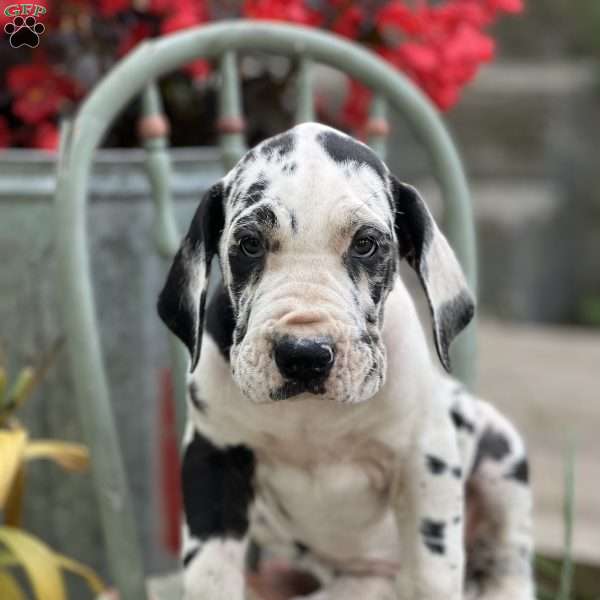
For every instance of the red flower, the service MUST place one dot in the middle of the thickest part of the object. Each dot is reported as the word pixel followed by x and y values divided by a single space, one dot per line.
pixel 418 57
pixel 349 22
pixel 110 8
pixel 184 14
pixel 46 137
pixel 294 11
pixel 5 135
pixel 508 6
pixel 356 104
pixel 397 15
pixel 39 91
pixel 198 70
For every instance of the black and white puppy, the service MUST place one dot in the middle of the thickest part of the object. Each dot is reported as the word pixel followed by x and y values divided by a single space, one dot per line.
pixel 319 425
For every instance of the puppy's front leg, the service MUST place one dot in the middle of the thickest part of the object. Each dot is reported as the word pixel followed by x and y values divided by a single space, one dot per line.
pixel 429 512
pixel 218 490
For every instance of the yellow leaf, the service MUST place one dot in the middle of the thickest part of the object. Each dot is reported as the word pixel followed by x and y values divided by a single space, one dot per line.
pixel 73 457
pixel 94 582
pixel 13 509
pixel 9 588
pixel 7 560
pixel 12 445
pixel 39 563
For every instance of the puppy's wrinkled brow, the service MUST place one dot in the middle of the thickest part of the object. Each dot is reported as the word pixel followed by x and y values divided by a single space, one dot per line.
pixel 261 217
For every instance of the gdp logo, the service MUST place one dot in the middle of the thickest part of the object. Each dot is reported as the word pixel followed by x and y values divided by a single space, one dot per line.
pixel 24 29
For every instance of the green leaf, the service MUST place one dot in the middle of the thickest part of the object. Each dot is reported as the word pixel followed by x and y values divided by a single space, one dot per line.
pixel 566 576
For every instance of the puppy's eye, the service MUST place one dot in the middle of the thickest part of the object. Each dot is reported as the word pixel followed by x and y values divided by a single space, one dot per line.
pixel 364 246
pixel 252 246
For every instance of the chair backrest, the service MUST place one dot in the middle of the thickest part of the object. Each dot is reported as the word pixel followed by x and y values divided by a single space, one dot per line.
pixel 134 75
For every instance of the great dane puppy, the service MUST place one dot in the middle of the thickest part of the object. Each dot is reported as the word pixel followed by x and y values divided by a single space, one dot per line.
pixel 319 425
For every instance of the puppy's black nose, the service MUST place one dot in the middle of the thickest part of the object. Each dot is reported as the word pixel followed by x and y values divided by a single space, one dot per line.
pixel 304 359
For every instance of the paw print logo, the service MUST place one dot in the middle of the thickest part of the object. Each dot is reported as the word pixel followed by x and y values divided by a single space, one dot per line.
pixel 24 32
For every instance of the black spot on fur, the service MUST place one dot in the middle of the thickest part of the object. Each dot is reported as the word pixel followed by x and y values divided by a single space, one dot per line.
pixel 198 403
pixel 279 146
pixel 289 168
pixel 492 445
pixel 457 472
pixel 433 533
pixel 248 158
pixel 460 422
pixel 265 216
pixel 218 488
pixel 189 556
pixel 239 333
pixel 378 268
pixel 220 320
pixel 293 222
pixel 352 267
pixel 431 528
pixel 519 471
pixel 371 317
pixel 244 269
pixel 457 519
pixel 301 548
pixel 344 149
pixel 380 280
pixel 436 465
pixel 256 192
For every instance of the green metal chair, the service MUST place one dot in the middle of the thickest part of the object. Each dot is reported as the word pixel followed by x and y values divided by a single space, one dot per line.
pixel 134 75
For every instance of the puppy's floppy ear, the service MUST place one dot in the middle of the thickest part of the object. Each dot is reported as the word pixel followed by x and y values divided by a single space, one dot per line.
pixel 429 254
pixel 183 297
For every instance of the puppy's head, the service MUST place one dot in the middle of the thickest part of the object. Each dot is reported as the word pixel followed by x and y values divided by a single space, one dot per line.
pixel 309 228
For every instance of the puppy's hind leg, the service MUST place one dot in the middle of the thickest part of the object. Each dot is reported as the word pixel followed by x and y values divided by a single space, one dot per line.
pixel 500 547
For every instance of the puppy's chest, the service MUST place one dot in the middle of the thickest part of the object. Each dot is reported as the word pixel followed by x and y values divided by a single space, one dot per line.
pixel 312 485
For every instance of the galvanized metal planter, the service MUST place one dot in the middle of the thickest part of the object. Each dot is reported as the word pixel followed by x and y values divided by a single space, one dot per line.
pixel 80 140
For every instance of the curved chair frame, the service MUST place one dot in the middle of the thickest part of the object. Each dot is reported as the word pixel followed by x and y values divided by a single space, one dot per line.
pixel 78 144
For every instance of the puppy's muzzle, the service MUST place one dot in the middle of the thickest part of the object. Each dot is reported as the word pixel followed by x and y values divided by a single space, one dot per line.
pixel 304 362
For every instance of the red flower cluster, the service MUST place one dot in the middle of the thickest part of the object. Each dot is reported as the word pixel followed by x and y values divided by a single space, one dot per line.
pixel 440 46
pixel 39 93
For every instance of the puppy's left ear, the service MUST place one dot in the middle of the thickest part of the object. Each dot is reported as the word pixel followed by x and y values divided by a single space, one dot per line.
pixel 182 300
pixel 429 254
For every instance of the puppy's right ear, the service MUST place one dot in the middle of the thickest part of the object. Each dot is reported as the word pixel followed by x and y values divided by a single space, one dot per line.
pixel 183 297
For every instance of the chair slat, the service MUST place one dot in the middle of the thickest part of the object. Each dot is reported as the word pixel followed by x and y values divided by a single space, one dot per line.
pixel 154 130
pixel 377 128
pixel 231 121
pixel 305 109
